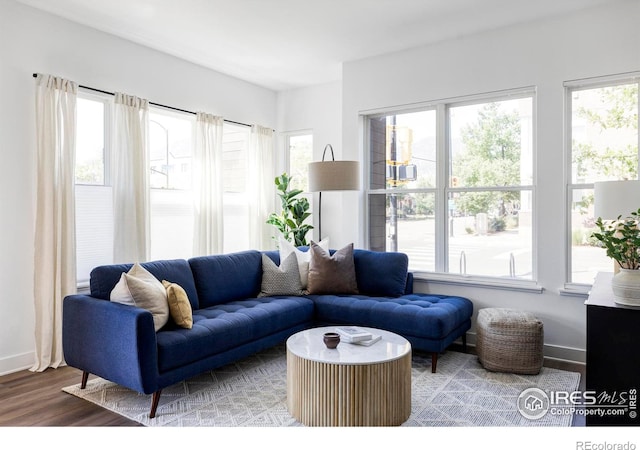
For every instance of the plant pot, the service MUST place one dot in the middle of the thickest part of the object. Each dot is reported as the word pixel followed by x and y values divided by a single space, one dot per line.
pixel 626 287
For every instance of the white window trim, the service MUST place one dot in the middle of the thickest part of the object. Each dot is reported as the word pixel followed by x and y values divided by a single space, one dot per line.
pixel 442 190
pixel 571 288
pixel 479 281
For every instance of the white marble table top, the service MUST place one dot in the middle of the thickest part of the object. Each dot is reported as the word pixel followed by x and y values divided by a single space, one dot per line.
pixel 308 344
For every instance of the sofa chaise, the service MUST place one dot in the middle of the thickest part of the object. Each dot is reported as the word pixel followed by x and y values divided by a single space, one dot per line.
pixel 230 320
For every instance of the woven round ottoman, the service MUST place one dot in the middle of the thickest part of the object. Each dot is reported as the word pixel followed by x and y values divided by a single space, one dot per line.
pixel 508 340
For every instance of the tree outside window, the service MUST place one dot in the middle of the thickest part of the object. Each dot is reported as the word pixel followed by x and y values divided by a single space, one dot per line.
pixel 604 147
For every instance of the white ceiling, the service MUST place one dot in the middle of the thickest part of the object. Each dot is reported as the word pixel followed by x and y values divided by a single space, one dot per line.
pixel 283 44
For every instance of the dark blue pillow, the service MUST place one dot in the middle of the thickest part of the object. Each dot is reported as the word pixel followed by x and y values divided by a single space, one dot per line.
pixel 381 274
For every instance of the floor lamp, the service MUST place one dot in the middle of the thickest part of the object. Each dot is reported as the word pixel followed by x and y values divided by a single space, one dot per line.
pixel 332 176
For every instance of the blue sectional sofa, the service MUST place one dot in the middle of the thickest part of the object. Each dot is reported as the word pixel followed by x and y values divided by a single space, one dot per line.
pixel 119 342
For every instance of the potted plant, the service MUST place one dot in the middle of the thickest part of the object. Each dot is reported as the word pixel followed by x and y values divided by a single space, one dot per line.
pixel 295 210
pixel 621 239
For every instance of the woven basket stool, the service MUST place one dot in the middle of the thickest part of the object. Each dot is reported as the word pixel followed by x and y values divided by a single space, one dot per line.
pixel 508 340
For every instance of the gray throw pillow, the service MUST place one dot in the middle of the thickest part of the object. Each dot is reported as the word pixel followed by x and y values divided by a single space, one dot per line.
pixel 332 274
pixel 283 280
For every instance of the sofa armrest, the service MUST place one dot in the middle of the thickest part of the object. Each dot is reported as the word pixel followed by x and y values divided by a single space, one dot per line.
pixel 409 286
pixel 111 340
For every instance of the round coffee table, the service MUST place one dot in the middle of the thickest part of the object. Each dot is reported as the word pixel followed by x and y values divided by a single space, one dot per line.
pixel 352 385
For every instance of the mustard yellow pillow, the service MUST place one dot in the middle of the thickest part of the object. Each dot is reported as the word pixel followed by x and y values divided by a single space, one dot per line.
pixel 179 306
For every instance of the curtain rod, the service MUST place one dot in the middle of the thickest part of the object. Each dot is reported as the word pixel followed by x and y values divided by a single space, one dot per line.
pixel 35 75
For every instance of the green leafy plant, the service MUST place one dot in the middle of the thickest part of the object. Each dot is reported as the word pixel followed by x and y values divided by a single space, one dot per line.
pixel 621 238
pixel 295 210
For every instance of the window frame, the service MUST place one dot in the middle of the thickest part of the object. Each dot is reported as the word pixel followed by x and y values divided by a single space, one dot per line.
pixel 571 287
pixel 443 188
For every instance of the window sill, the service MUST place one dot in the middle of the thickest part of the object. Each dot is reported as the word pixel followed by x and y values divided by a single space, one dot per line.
pixel 488 283
pixel 576 290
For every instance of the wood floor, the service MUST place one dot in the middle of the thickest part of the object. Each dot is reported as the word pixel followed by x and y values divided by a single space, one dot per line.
pixel 36 399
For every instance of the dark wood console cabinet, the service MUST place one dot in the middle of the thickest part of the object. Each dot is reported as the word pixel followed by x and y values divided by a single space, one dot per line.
pixel 613 352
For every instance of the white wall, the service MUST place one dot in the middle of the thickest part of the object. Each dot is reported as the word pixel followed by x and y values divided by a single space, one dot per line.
pixel 319 109
pixel 543 54
pixel 32 41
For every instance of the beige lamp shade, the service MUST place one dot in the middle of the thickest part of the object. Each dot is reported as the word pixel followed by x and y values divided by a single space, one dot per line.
pixel 333 176
pixel 616 198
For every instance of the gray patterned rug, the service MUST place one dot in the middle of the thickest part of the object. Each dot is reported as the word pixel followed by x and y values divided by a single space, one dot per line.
pixel 252 393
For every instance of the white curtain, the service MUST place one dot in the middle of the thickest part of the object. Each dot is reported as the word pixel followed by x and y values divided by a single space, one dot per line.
pixel 130 179
pixel 260 187
pixel 208 236
pixel 55 251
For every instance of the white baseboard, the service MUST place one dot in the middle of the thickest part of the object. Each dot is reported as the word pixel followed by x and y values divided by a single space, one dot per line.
pixel 16 363
pixel 574 355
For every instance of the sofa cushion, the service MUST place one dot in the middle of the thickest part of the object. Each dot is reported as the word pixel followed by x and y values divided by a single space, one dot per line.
pixel 104 278
pixel 421 315
pixel 332 274
pixel 223 327
pixel 280 280
pixel 302 255
pixel 179 306
pixel 138 287
pixel 381 273
pixel 228 277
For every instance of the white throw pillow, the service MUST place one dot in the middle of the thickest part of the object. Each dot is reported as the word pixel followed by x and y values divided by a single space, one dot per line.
pixel 286 248
pixel 140 288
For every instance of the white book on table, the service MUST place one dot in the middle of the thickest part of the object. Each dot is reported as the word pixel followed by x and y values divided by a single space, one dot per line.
pixel 352 334
pixel 374 338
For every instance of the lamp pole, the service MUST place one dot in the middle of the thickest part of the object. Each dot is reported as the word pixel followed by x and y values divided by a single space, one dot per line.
pixel 393 200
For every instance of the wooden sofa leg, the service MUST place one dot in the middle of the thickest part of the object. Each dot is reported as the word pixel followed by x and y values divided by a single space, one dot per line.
pixel 464 343
pixel 434 361
pixel 85 377
pixel 154 403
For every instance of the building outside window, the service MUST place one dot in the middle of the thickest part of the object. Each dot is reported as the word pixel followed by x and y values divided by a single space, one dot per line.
pixel 602 144
pixel 452 186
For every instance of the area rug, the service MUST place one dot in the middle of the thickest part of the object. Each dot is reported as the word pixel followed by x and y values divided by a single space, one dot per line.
pixel 252 393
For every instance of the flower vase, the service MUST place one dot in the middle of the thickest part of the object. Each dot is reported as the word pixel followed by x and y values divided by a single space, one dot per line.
pixel 626 287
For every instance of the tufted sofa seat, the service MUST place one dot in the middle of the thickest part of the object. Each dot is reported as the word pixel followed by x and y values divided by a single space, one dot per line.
pixel 220 328
pixel 430 322
pixel 119 342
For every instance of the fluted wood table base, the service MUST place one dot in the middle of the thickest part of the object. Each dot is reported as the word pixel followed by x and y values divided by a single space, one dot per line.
pixel 330 394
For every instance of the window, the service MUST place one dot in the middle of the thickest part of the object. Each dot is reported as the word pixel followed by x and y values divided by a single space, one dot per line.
pixel 171 141
pixel 451 185
pixel 171 198
pixel 602 146
pixel 300 155
pixel 94 207
pixel 234 177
